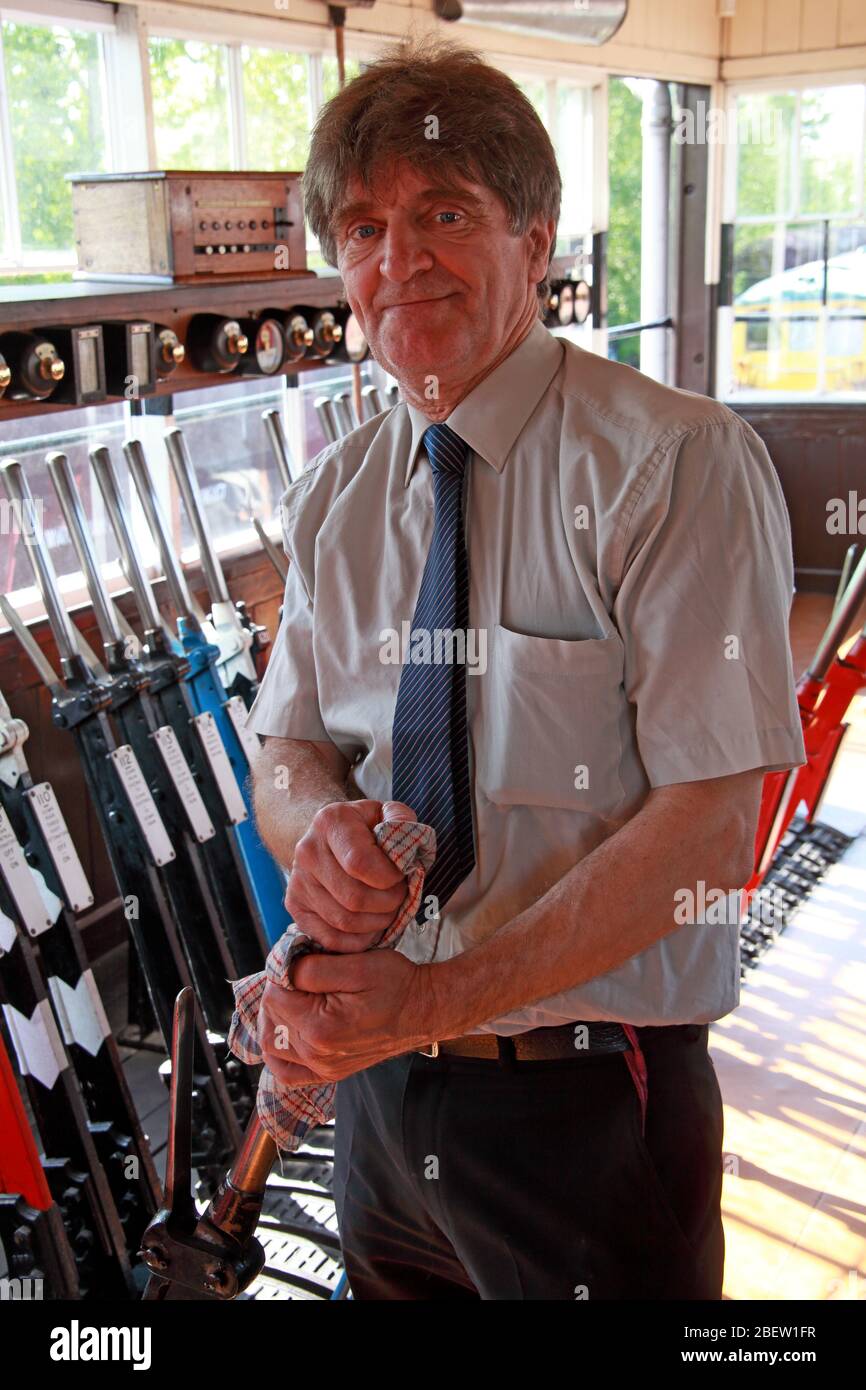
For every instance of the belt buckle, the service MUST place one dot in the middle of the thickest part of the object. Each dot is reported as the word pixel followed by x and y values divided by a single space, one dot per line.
pixel 434 1050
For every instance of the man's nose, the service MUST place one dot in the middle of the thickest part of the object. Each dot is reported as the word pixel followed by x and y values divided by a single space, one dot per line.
pixel 404 254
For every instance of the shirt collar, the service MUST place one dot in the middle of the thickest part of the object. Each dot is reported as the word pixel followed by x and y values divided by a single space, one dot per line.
pixel 491 417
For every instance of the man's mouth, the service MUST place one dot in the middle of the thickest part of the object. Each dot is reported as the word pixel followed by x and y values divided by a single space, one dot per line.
pixel 411 303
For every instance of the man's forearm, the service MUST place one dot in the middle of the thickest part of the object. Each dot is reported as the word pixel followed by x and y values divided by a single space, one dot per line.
pixel 608 908
pixel 291 782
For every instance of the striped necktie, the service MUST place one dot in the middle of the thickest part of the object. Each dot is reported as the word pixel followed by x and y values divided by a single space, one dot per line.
pixel 430 763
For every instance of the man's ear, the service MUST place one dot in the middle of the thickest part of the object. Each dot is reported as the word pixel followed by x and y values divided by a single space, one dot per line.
pixel 541 234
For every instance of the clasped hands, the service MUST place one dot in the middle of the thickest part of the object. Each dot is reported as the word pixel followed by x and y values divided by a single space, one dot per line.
pixel 350 1007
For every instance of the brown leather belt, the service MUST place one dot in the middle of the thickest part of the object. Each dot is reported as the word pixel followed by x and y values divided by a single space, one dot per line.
pixel 569 1040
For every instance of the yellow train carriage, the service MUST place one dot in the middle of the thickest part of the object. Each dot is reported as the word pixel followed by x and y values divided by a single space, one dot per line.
pixel 782 332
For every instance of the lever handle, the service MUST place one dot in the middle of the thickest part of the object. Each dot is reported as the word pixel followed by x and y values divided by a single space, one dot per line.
pixel 175 578
pixel 279 445
pixel 73 514
pixel 43 570
pixel 100 459
pixel 188 484
pixel 178 1172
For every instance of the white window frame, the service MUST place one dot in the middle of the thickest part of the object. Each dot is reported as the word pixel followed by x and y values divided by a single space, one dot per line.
pixel 595 80
pixel 233 32
pixel 797 83
pixel 76 14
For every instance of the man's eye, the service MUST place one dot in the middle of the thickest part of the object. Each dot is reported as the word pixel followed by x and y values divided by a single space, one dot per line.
pixel 448 213
pixel 366 227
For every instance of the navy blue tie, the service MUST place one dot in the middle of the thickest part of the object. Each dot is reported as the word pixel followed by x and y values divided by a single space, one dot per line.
pixel 430 741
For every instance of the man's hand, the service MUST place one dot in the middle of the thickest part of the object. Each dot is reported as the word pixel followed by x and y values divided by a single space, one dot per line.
pixel 344 891
pixel 355 1010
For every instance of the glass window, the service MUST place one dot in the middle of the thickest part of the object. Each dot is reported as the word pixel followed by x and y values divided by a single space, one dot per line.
pixel 573 142
pixel 757 334
pixel 803 335
pixel 831 128
pixel 277 108
pixel 565 110
pixel 73 433
pixel 56 95
pixel 229 447
pixel 625 142
pixel 799 244
pixel 778 266
pixel 330 79
pixel 847 338
pixel 535 88
pixel 765 124
pixel 190 93
pixel 242 481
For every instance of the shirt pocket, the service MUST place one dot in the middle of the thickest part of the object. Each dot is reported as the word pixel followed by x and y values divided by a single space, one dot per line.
pixel 548 731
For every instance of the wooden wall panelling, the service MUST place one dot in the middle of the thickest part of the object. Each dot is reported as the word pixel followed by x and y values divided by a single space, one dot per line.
pixel 819 453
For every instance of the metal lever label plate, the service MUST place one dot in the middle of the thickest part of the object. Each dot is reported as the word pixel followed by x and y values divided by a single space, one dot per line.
pixel 222 769
pixel 181 775
pixel 142 804
pixel 20 881
pixel 248 738
pixel 64 855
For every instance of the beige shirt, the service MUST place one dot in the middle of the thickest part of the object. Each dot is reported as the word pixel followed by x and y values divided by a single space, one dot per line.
pixel 631 576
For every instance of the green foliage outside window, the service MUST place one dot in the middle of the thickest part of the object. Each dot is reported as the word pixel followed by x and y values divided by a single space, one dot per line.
pixel 625 160
pixel 57 112
pixel 190 92
pixel 277 108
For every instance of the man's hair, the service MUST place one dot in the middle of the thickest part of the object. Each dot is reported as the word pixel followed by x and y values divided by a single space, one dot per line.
pixel 488 133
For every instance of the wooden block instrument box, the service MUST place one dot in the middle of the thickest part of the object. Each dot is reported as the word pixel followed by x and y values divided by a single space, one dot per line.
pixel 183 226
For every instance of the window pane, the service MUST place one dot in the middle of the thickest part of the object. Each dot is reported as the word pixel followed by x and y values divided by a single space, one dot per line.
pixel 803 335
pixel 778 265
pixel 778 294
pixel 29 440
pixel 536 89
pixel 239 482
pixel 276 100
pixel 831 127
pixel 243 481
pixel 330 85
pixel 765 123
pixel 57 112
pixel 846 297
pixel 574 156
pixel 625 111
pixel 189 83
pixel 325 382
pixel 846 269
pixel 845 338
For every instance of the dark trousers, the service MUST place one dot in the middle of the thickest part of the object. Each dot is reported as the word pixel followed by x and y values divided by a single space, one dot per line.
pixel 456 1177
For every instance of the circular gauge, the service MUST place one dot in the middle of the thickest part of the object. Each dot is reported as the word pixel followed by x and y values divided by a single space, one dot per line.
pixel 229 342
pixel 300 336
pixel 565 307
pixel 270 346
pixel 354 342
pixel 327 333
pixel 582 301
pixel 170 351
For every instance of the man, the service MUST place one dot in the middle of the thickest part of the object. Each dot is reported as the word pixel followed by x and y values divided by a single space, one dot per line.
pixel 611 562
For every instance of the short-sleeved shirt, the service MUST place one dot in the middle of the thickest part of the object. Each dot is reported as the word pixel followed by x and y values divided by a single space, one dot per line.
pixel 631 579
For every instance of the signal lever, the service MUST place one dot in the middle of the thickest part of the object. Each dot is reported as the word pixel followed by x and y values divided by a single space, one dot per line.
pixel 215 1255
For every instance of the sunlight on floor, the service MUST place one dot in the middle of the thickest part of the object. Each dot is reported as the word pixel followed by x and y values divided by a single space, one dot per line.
pixel 791 1062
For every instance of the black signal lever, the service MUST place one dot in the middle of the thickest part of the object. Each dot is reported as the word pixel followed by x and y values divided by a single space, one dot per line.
pixel 214 1255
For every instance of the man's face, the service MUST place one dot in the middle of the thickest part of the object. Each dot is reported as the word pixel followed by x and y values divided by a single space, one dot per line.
pixel 435 278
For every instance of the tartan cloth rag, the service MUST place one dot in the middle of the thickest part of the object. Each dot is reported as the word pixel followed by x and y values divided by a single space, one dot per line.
pixel 288 1112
